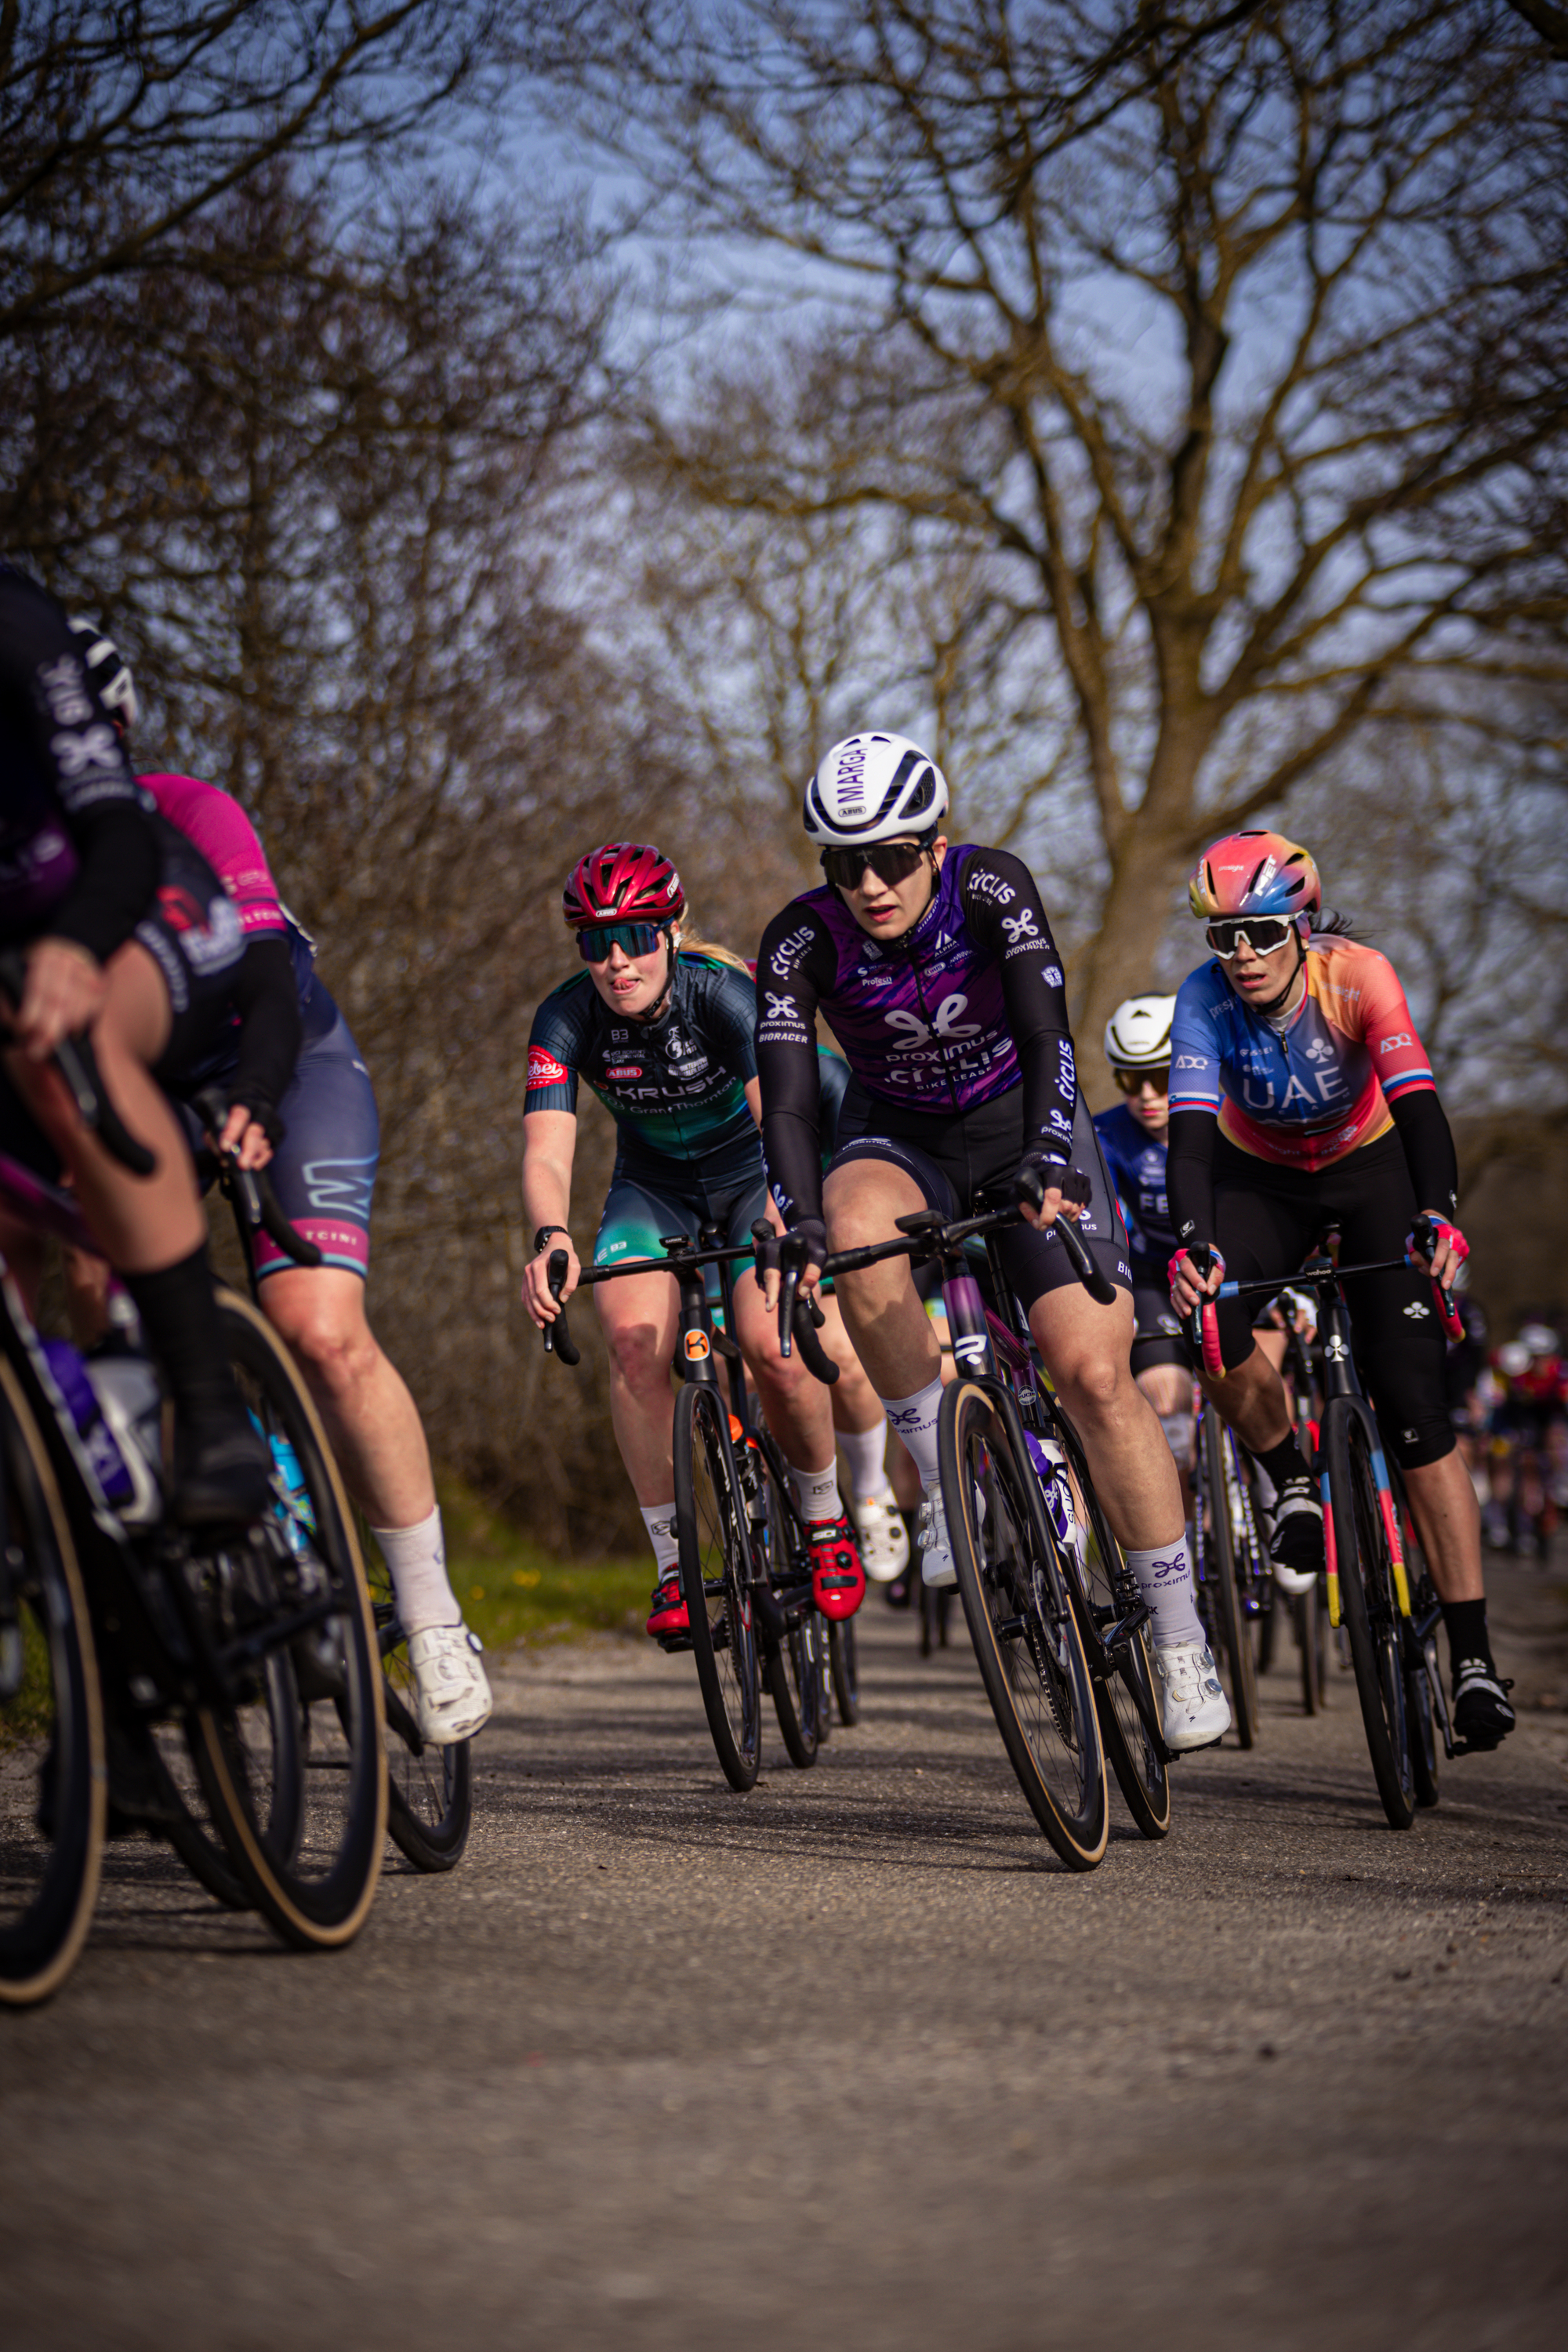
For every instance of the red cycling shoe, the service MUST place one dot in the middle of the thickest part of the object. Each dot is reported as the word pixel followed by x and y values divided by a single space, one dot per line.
pixel 668 1614
pixel 838 1579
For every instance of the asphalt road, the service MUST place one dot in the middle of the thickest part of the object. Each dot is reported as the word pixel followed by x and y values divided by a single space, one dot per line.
pixel 847 2061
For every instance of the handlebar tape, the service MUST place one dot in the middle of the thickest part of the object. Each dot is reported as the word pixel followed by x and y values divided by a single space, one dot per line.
pixel 1099 1285
pixel 558 1340
pixel 812 1355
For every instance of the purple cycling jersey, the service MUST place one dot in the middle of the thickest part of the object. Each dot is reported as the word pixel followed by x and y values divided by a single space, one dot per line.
pixel 960 1009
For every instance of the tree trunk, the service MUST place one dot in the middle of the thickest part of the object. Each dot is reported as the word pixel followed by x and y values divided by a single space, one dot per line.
pixel 1118 961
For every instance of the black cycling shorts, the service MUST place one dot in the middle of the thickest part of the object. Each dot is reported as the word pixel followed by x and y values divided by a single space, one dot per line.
pixel 1267 1218
pixel 951 1155
pixel 1157 1335
pixel 647 1199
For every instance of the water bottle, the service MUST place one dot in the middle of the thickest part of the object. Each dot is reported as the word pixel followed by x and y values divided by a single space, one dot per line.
pixel 70 1377
pixel 132 1402
pixel 1051 1462
pixel 294 1507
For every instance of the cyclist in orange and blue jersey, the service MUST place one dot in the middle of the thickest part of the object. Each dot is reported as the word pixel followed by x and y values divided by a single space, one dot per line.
pixel 1301 1096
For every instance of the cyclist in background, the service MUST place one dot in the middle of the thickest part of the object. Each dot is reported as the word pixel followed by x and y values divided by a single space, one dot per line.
pixel 133 939
pixel 1301 1094
pixel 320 1148
pixel 663 1034
pixel 936 970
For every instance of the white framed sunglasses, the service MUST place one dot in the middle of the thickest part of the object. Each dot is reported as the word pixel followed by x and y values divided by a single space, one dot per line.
pixel 1264 934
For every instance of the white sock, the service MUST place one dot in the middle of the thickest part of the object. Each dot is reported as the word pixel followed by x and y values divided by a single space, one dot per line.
pixel 417 1559
pixel 658 1518
pixel 865 1453
pixel 817 1493
pixel 913 1418
pixel 1165 1582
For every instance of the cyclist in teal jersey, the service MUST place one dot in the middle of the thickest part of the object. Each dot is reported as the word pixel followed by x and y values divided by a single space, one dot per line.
pixel 664 1037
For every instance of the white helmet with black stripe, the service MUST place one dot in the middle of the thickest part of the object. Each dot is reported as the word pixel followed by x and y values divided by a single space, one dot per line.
pixel 873 788
pixel 1138 1033
pixel 109 671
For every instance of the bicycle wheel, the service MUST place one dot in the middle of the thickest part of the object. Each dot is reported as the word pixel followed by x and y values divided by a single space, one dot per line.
pixel 844 1665
pixel 788 1662
pixel 1425 1701
pixel 1107 1592
pixel 53 1785
pixel 1223 1563
pixel 715 1576
pixel 1310 1621
pixel 429 1790
pixel 1022 1623
pixel 1370 1606
pixel 294 1592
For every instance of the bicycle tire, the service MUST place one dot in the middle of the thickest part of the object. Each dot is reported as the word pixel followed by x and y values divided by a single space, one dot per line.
pixel 315 1889
pixel 1107 1591
pixel 821 1649
pixel 1369 1609
pixel 1024 1626
pixel 53 1780
pixel 789 1669
pixel 1426 1705
pixel 714 1538
pixel 429 1790
pixel 1232 1623
pixel 1310 1618
pixel 844 1665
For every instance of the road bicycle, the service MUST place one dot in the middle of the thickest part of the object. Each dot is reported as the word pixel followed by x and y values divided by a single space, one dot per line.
pixel 1233 1576
pixel 745 1564
pixel 1379 1587
pixel 219 1689
pixel 1059 1628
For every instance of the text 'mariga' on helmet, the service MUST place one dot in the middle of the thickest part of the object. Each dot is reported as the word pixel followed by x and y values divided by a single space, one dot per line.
pixel 1138 1033
pixel 623 882
pixel 871 788
pixel 1254 872
pixel 109 671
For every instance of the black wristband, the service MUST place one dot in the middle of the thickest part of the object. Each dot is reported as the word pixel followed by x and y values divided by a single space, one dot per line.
pixel 542 1236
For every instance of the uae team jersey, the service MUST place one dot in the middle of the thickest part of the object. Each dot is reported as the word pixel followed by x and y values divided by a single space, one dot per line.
pixel 1305 1097
pixel 675 1088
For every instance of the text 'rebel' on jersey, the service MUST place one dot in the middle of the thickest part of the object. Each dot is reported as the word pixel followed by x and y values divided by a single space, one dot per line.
pixel 965 1006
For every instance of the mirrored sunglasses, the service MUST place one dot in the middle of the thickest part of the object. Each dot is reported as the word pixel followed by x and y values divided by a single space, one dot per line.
pixel 594 942
pixel 889 861
pixel 1133 1082
pixel 1264 934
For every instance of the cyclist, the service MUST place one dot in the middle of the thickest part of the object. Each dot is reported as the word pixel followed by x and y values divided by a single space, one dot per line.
pixel 663 1034
pixel 321 1150
pixel 128 935
pixel 936 968
pixel 1302 1097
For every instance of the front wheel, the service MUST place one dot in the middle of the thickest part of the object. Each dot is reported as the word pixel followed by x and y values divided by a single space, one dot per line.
pixel 1125 1697
pixel 1370 1605
pixel 1022 1623
pixel 844 1664
pixel 713 1533
pixel 1224 1567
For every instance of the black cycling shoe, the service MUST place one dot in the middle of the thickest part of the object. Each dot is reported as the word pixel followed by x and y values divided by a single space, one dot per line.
pixel 1482 1715
pixel 1296 1543
pixel 223 1472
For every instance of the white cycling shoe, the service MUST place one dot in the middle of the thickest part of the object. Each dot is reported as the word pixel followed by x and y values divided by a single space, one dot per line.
pixel 1193 1709
pixel 452 1691
pixel 933 1542
pixel 884 1539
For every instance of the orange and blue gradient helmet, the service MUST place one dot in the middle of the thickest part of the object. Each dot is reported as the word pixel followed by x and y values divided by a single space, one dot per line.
pixel 1255 874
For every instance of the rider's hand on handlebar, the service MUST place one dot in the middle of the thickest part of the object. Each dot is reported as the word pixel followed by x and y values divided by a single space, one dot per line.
pixel 536 1295
pixel 245 1140
pixel 1047 1189
pixel 1450 1252
pixel 66 993
pixel 813 1232
pixel 1189 1280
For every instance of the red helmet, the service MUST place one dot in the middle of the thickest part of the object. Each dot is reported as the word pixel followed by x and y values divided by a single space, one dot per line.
pixel 1255 874
pixel 623 882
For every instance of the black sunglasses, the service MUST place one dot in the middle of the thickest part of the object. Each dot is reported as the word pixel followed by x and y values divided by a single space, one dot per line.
pixel 889 861
pixel 1264 934
pixel 1133 1082
pixel 596 940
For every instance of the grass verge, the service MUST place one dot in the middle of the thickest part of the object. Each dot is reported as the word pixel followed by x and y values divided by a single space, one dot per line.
pixel 513 1591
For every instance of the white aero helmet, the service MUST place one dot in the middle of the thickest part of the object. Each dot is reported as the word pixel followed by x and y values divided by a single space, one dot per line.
pixel 1138 1033
pixel 872 788
pixel 107 668
pixel 1540 1338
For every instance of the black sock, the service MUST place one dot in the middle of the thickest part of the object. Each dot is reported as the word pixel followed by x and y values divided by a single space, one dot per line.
pixel 1466 1625
pixel 180 1323
pixel 1283 1461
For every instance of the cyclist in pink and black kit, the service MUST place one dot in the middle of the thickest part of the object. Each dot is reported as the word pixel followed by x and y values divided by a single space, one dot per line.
pixel 320 1144
pixel 1301 1097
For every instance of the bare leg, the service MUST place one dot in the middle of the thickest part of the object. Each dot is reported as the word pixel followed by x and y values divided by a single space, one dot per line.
pixel 370 1417
pixel 640 1317
pixel 1449 1521
pixel 1087 1348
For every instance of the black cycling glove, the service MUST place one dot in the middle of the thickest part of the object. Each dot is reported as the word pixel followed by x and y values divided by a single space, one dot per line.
pixel 1038 1171
pixel 811 1231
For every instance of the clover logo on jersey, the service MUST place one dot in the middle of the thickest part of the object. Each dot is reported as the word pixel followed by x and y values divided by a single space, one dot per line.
pixel 1019 927
pixel 781 1008
pixel 944 1025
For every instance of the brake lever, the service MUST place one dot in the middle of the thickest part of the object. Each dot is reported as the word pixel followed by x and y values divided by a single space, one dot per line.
pixel 1099 1285
pixel 558 1340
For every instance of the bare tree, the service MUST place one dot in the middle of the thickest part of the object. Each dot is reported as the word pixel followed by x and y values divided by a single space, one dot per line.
pixel 1226 357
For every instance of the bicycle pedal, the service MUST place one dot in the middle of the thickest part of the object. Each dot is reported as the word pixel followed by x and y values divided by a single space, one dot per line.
pixel 672 1643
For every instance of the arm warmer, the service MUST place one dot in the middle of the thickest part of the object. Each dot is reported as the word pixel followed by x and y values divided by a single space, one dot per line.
pixel 1189 1176
pixel 1429 1154
pixel 115 883
pixel 786 1062
pixel 1003 913
pixel 267 1002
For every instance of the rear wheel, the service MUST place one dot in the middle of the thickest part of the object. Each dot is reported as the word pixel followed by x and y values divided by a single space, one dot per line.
pixel 1022 1623
pixel 1369 1605
pixel 429 1790
pixel 52 1779
pixel 1224 1565
pixel 287 1611
pixel 844 1662
pixel 715 1577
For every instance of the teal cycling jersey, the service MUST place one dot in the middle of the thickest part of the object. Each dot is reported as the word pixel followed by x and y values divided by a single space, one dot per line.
pixel 675 1088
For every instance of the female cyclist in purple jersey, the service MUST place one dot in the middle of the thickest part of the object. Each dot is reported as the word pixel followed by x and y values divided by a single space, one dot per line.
pixel 936 968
